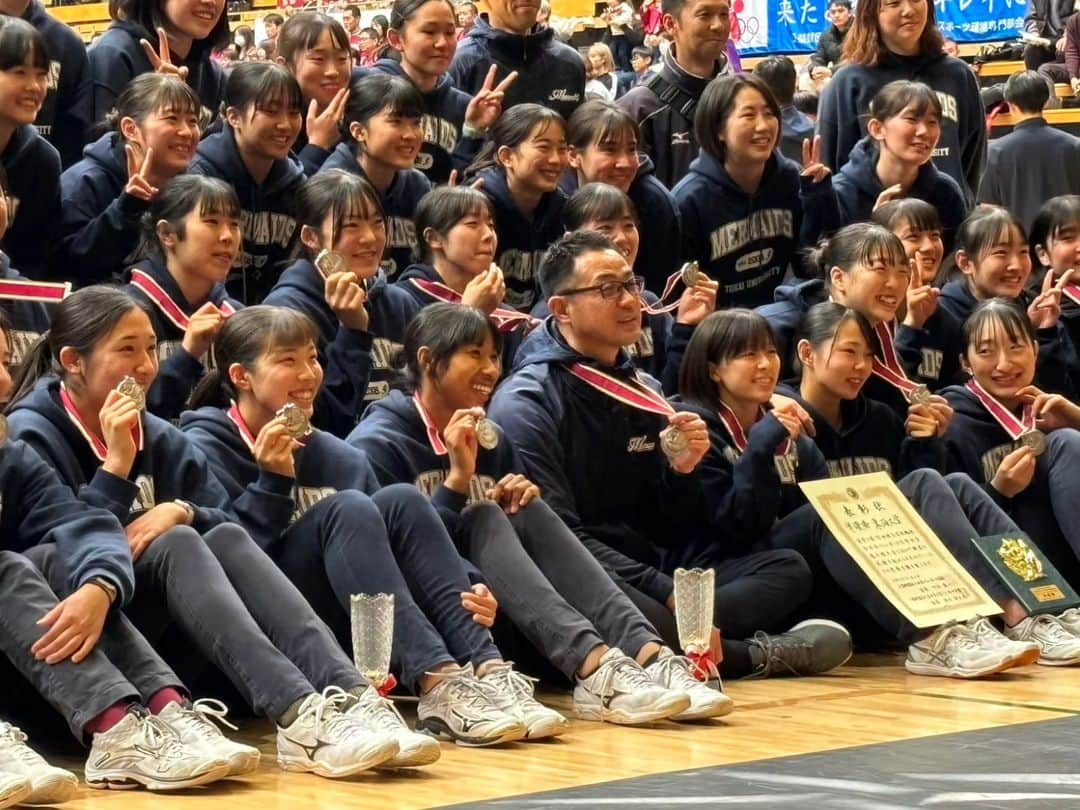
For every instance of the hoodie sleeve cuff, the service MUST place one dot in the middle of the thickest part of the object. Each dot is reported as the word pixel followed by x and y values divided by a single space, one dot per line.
pixel 448 499
pixel 116 490
pixel 132 208
pixel 275 484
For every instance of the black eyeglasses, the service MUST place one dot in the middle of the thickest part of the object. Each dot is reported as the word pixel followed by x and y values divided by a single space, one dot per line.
pixel 611 290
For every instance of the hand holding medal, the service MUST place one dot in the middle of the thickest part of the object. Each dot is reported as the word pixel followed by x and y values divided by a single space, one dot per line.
pixel 792 416
pixel 275 445
pixel 485 291
pixel 463 444
pixel 202 329
pixel 1050 411
pixel 698 299
pixel 344 294
pixel 687 441
pixel 119 418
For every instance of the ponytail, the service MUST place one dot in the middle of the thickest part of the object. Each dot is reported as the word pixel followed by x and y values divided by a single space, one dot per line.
pixel 215 390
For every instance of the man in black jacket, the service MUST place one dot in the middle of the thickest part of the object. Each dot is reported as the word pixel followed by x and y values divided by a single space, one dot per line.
pixel 1046 19
pixel 830 47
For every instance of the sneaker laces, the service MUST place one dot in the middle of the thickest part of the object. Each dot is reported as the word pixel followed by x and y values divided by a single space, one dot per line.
pixel 160 737
pixel 517 684
pixel 465 687
pixel 953 636
pixel 677 670
pixel 982 628
pixel 782 651
pixel 631 672
pixel 16 739
pixel 378 712
pixel 328 713
pixel 205 713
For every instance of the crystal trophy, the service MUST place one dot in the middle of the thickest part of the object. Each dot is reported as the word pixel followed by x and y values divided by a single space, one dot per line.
pixel 694 597
pixel 373 635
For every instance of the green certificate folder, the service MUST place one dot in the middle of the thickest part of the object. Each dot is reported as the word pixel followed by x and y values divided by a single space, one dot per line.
pixel 1031 577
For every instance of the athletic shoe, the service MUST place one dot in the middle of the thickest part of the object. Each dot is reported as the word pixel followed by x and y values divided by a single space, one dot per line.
pixel 1057 646
pixel 621 691
pixel 812 647
pixel 1070 620
pixel 955 651
pixel 48 784
pixel 462 708
pixel 194 727
pixel 142 750
pixel 325 741
pixel 1026 652
pixel 14 787
pixel 675 673
pixel 380 716
pixel 539 720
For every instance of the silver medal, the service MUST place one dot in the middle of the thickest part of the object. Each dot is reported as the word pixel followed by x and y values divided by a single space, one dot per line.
pixel 487 435
pixel 329 262
pixel 296 421
pixel 690 274
pixel 673 442
pixel 1036 440
pixel 133 391
pixel 919 395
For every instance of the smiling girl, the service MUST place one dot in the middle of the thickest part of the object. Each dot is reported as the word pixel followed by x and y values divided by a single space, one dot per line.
pixel 252 154
pixel 1055 249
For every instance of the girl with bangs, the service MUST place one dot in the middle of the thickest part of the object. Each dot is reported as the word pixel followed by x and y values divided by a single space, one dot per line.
pixel 191 236
pixel 894 40
pixel 314 504
pixel 1021 445
pixel 252 154
pixel 356 312
pixel 78 404
pixel 31 163
pixel 315 49
pixel 893 160
pixel 520 167
pixel 151 137
pixel 1055 249
pixel 603 143
pixel 423 36
pixel 746 209
pixel 605 209
pixel 994 260
pixel 162 36
pixel 382 137
pixel 857 435
pixel 928 337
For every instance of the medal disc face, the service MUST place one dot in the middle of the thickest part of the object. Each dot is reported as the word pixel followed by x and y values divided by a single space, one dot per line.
pixel 487 435
pixel 329 262
pixel 1036 440
pixel 691 272
pixel 673 442
pixel 297 424
pixel 133 391
pixel 919 395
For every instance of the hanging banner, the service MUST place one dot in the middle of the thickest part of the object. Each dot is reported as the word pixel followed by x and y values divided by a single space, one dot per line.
pixel 793 26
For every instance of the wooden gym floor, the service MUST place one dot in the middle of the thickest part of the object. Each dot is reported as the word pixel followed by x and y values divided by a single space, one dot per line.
pixel 872 701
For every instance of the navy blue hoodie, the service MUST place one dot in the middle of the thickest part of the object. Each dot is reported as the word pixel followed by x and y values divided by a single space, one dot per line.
pixel 747 242
pixel 784 314
pixel 169 467
pixel 100 221
pixel 659 222
pixel 857 189
pixel 747 492
pixel 1058 368
pixel 116 57
pixel 445 148
pixel 33 176
pixel 268 503
pixel 598 463
pixel 523 240
pixel 36 507
pixel 178 371
pixel 65 116
pixel 961 149
pixel 871 439
pixel 349 358
pixel 550 72
pixel 29 320
pixel 399 204
pixel 267 213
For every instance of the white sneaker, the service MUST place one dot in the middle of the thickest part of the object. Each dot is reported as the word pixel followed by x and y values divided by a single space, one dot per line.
pixel 195 728
pixel 954 651
pixel 1070 620
pixel 675 672
pixel 462 708
pixel 1026 652
pixel 620 691
pixel 48 784
pixel 379 715
pixel 1057 646
pixel 142 750
pixel 325 741
pixel 519 691
pixel 14 787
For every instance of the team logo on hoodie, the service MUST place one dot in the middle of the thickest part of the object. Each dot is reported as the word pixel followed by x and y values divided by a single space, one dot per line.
pixel 768 223
pixel 562 94
pixel 144 496
pixel 930 366
pixel 858 465
pixel 304 498
pixel 429 482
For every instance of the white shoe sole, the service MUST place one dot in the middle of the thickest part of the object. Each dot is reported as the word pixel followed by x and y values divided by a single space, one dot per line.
pixel 126 780
pixel 677 703
pixel 438 729
pixel 552 727
pixel 375 756
pixel 242 763
pixel 934 670
pixel 53 789
pixel 416 757
pixel 15 794
pixel 718 708
pixel 1058 662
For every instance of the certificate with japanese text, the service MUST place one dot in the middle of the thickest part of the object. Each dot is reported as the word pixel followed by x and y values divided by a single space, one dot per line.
pixel 897 551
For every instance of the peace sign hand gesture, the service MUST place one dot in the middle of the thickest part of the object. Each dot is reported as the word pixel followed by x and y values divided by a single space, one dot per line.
pixel 811 160
pixel 487 105
pixel 1045 310
pixel 161 60
pixel 137 185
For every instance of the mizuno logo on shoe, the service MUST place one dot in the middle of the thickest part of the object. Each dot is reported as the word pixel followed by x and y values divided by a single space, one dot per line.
pixel 310 750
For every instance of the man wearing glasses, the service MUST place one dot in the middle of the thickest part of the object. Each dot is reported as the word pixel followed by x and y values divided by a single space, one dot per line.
pixel 616 462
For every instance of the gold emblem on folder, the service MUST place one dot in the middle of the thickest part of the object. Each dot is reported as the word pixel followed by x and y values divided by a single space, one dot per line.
pixel 1020 559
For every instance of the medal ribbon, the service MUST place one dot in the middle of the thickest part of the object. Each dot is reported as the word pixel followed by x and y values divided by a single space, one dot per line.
pixel 17 289
pixel 660 308
pixel 437 443
pixel 101 450
pixel 1072 292
pixel 888 366
pixel 245 432
pixel 169 308
pixel 738 435
pixel 1015 427
pixel 506 320
pixel 636 394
